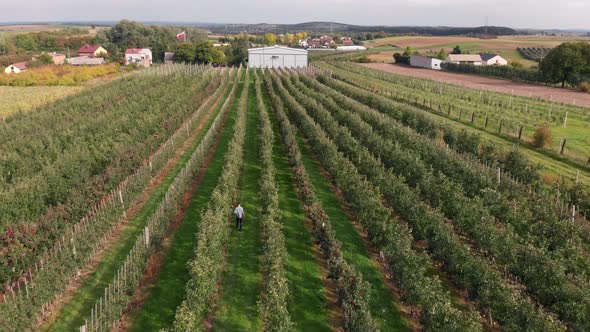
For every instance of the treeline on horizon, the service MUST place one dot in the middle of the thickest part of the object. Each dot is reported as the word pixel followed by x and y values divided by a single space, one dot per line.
pixel 327 27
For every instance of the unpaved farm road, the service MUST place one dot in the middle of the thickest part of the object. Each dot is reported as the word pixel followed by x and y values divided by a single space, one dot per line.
pixel 487 83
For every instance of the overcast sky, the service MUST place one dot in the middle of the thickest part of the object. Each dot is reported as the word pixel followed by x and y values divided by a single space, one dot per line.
pixel 571 14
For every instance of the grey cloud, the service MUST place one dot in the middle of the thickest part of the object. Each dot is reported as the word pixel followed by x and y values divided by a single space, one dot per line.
pixel 513 13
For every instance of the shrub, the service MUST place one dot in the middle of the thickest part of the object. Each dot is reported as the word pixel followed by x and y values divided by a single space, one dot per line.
pixel 542 137
pixel 363 59
pixel 584 87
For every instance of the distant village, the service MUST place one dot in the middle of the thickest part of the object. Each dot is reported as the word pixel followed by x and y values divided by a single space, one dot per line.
pixel 87 55
pixel 327 42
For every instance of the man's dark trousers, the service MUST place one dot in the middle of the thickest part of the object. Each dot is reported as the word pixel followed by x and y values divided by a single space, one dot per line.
pixel 239 222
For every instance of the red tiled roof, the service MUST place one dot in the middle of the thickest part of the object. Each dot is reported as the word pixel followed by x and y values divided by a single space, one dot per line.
pixel 133 51
pixel 88 48
pixel 20 65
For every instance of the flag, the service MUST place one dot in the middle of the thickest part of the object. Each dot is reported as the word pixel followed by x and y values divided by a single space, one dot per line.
pixel 181 35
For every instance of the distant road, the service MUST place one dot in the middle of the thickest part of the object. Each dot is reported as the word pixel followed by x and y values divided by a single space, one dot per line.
pixel 490 84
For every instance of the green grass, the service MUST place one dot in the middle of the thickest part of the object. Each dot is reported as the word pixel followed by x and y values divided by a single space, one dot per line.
pixel 237 309
pixel 72 314
pixel 307 302
pixel 167 293
pixel 384 307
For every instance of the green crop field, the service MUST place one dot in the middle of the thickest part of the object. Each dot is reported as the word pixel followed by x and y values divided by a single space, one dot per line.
pixel 373 202
pixel 23 99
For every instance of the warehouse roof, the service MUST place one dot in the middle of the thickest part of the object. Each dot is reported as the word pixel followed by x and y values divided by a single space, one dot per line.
pixel 465 57
pixel 277 49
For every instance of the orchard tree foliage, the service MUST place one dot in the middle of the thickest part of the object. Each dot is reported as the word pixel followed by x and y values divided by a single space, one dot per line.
pixel 568 63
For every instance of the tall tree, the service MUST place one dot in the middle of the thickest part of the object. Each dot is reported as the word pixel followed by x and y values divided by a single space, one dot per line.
pixel 568 63
pixel 237 53
pixel 270 39
pixel 289 39
pixel 457 50
pixel 185 52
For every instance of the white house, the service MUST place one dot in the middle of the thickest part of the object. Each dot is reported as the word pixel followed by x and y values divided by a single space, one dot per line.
pixel 351 48
pixel 139 56
pixel 16 68
pixel 425 62
pixel 465 59
pixel 493 59
pixel 277 57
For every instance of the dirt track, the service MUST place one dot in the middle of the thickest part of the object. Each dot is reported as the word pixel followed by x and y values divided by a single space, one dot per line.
pixel 490 84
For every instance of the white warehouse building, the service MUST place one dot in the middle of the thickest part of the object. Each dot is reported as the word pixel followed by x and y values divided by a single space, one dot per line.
pixel 425 62
pixel 277 57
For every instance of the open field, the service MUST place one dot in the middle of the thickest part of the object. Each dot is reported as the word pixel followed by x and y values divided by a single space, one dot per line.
pixel 366 207
pixel 504 45
pixel 29 28
pixel 490 84
pixel 22 99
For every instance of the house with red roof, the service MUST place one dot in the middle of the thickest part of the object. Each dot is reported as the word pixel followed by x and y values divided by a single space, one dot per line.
pixel 91 51
pixel 139 56
pixel 16 68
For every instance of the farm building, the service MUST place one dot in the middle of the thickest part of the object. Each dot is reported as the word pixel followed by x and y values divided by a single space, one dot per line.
pixel 465 59
pixel 85 61
pixel 493 59
pixel 16 68
pixel 57 58
pixel 351 48
pixel 91 50
pixel 277 57
pixel 140 56
pixel 425 62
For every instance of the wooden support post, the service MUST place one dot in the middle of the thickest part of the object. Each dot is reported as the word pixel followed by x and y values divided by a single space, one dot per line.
pixel 563 146
pixel 485 124
pixel 565 120
pixel 573 215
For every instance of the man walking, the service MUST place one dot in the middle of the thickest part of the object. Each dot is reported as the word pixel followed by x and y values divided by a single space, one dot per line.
pixel 239 212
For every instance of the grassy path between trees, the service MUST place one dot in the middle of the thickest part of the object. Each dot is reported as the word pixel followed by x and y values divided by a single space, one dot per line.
pixel 307 303
pixel 71 315
pixel 384 307
pixel 168 291
pixel 237 309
